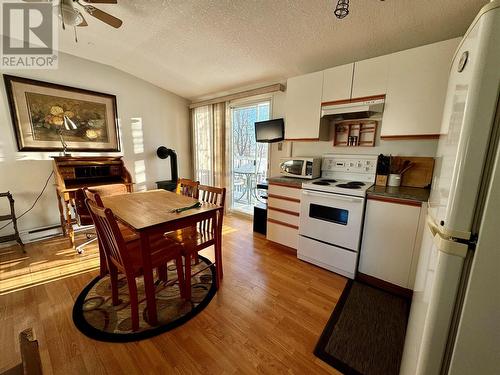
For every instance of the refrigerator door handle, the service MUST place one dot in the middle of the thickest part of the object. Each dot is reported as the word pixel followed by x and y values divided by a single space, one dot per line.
pixel 431 225
pixel 446 244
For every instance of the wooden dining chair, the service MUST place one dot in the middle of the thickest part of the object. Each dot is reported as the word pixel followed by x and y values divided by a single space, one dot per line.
pixel 31 363
pixel 187 187
pixel 126 257
pixel 127 233
pixel 201 236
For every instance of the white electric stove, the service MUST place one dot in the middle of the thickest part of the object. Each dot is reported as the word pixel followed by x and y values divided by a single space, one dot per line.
pixel 332 211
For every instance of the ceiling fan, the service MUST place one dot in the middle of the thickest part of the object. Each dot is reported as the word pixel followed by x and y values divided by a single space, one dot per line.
pixel 70 12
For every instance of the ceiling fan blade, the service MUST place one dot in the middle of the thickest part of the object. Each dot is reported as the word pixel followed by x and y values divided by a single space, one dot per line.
pixel 101 1
pixel 102 16
pixel 83 23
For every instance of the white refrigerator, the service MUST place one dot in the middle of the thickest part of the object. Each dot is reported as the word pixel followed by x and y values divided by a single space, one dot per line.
pixel 454 323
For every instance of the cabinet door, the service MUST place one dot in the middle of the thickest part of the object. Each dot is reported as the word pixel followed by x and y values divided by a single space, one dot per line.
pixel 370 77
pixel 303 106
pixel 337 83
pixel 416 89
pixel 388 240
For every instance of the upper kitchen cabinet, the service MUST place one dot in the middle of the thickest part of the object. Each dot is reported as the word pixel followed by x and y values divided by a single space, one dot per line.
pixel 416 90
pixel 303 107
pixel 370 77
pixel 337 83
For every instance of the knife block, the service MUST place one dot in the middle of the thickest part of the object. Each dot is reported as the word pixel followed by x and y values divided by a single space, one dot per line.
pixel 381 180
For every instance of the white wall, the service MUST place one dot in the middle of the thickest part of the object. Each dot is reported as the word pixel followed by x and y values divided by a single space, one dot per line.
pixel 148 116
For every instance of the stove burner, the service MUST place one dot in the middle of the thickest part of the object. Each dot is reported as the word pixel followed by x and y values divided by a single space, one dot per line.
pixel 348 186
pixel 329 180
pixel 356 183
pixel 321 183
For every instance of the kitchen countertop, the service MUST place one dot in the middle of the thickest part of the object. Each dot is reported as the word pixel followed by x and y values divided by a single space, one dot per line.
pixel 290 181
pixel 401 192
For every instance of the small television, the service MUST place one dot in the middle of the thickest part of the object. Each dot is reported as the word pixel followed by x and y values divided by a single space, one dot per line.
pixel 270 131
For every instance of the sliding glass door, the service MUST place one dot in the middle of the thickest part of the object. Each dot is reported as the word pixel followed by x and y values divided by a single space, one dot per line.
pixel 248 158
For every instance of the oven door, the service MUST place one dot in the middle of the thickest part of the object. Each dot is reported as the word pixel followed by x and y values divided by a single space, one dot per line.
pixel 332 218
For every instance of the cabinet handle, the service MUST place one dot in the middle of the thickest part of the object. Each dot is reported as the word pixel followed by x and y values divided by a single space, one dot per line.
pixel 332 196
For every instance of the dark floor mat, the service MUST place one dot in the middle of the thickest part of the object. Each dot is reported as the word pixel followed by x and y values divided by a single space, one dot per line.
pixel 366 332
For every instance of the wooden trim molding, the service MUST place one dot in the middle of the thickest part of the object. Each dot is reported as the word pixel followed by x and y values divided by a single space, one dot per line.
pixel 282 197
pixel 302 139
pixel 282 223
pixel 285 185
pixel 239 95
pixel 406 202
pixel 283 246
pixel 409 137
pixel 354 100
pixel 283 211
pixel 384 285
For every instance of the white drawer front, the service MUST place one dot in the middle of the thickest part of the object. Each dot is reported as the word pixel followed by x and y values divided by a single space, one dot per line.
pixel 283 217
pixel 283 204
pixel 283 235
pixel 284 191
pixel 332 258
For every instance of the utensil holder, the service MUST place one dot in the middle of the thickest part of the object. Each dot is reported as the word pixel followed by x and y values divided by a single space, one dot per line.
pixel 394 180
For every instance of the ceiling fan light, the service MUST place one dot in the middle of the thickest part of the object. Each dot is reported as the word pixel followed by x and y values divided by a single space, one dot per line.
pixel 70 16
pixel 342 9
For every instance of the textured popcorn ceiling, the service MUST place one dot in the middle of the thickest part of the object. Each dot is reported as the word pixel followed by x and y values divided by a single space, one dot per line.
pixel 198 47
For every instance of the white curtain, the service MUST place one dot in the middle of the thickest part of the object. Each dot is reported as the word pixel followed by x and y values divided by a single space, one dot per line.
pixel 209 144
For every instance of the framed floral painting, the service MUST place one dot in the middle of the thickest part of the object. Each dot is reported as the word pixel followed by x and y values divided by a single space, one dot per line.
pixel 46 115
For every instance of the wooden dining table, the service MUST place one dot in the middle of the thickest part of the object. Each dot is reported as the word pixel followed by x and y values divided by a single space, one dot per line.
pixel 149 213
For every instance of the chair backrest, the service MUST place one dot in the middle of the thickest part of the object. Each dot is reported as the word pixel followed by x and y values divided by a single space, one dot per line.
pixel 82 212
pixel 30 353
pixel 109 235
pixel 110 189
pixel 214 195
pixel 93 197
pixel 187 187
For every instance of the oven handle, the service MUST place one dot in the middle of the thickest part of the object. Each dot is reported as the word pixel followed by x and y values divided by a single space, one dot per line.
pixel 334 196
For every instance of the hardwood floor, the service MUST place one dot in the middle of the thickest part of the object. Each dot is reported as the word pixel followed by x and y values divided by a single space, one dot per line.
pixel 43 262
pixel 266 318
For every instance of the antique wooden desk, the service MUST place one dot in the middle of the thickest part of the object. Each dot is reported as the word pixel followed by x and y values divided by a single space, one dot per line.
pixel 73 173
pixel 150 213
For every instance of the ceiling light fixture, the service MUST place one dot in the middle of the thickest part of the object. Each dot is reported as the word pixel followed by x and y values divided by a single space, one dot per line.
pixel 69 15
pixel 342 9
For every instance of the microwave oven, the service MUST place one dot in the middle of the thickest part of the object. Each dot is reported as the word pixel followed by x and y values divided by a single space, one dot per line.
pixel 301 167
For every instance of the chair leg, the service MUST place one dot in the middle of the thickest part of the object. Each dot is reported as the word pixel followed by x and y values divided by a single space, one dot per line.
pixel 187 277
pixel 113 275
pixel 134 302
pixel 196 258
pixel 180 276
pixel 163 273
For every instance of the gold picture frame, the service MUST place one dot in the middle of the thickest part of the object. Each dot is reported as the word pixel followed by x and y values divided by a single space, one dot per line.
pixel 41 112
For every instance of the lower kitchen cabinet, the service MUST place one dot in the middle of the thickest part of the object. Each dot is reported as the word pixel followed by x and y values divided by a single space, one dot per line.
pixel 391 240
pixel 283 207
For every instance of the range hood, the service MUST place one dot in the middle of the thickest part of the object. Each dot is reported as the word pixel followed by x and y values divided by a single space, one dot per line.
pixel 353 109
